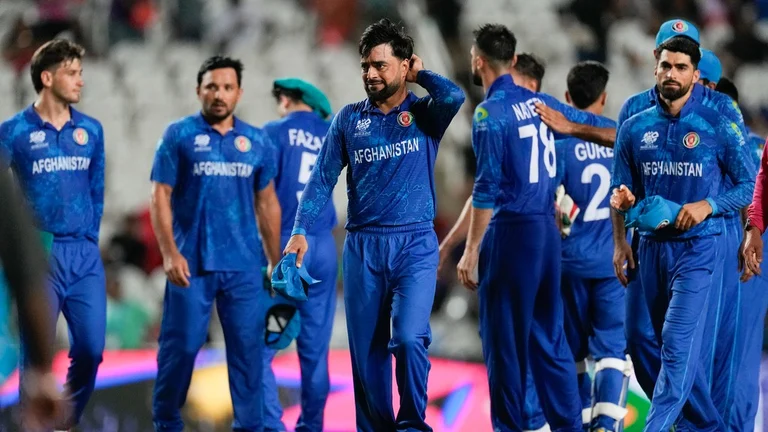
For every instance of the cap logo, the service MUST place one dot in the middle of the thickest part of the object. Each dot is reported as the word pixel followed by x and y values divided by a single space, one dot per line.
pixel 679 27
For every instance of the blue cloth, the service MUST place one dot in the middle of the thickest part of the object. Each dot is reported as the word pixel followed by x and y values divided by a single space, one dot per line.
pixel 660 155
pixel 298 138
pixel 652 213
pixel 312 342
pixel 594 311
pixel 60 172
pixel 291 281
pixel 186 315
pixel 390 159
pixel 521 318
pixel 517 183
pixel 390 276
pixel 282 321
pixel 584 169
pixel 674 28
pixel 709 66
pixel 677 277
pixel 76 288
pixel 214 178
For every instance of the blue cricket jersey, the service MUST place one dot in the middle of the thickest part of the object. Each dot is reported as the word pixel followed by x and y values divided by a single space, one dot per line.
pixel 756 143
pixel 298 138
pixel 584 169
pixel 685 159
pixel 516 160
pixel 390 159
pixel 61 172
pixel 214 179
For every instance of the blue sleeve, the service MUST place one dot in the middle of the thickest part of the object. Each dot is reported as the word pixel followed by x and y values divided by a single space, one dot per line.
pixel 624 113
pixel 268 170
pixel 560 146
pixel 166 165
pixel 622 172
pixel 575 115
pixel 6 145
pixel 737 167
pixel 96 178
pixel 330 161
pixel 488 138
pixel 446 99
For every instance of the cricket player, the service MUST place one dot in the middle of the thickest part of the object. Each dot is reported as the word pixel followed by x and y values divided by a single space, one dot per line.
pixel 642 345
pixel 592 295
pixel 57 155
pixel 754 302
pixel 666 150
pixel 528 72
pixel 519 259
pixel 299 136
pixel 388 143
pixel 211 179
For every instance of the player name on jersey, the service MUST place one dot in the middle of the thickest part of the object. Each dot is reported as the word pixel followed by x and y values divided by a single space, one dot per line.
pixel 680 169
pixel 373 154
pixel 588 150
pixel 300 137
pixel 61 163
pixel 526 110
pixel 225 169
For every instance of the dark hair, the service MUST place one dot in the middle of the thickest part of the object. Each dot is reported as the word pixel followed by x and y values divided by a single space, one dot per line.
pixel 220 62
pixel 530 66
pixel 50 55
pixel 586 82
pixel 385 32
pixel 684 45
pixel 726 86
pixel 293 95
pixel 496 42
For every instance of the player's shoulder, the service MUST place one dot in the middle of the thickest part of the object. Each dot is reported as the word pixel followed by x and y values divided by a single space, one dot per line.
pixel 645 119
pixel 13 123
pixel 254 133
pixel 715 99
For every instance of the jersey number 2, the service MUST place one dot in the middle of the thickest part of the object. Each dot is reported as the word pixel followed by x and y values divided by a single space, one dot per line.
pixel 593 211
pixel 529 131
pixel 305 169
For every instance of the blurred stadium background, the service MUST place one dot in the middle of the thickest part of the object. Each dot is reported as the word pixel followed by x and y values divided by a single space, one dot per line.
pixel 140 75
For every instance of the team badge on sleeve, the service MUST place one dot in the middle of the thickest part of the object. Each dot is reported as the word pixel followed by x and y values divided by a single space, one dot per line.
pixel 405 118
pixel 80 136
pixel 481 114
pixel 691 140
pixel 242 143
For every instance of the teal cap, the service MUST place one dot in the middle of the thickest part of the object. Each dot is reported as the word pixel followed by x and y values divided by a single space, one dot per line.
pixel 310 94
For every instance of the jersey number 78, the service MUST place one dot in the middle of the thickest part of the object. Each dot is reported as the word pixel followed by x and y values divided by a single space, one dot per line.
pixel 542 134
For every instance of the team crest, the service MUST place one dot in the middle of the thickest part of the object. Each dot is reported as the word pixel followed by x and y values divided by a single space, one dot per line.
pixel 80 136
pixel 679 26
pixel 405 118
pixel 691 140
pixel 242 143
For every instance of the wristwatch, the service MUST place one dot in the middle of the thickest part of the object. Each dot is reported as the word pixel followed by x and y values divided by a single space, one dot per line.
pixel 748 225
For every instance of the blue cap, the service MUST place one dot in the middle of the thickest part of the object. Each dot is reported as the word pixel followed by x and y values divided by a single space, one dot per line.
pixel 652 213
pixel 310 95
pixel 290 281
pixel 676 27
pixel 710 66
pixel 282 322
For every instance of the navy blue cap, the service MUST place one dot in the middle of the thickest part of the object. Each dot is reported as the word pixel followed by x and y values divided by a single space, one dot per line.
pixel 291 281
pixel 674 28
pixel 652 213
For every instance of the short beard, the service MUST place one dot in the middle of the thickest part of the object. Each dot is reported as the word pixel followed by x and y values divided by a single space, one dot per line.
pixel 215 118
pixel 673 95
pixel 385 93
